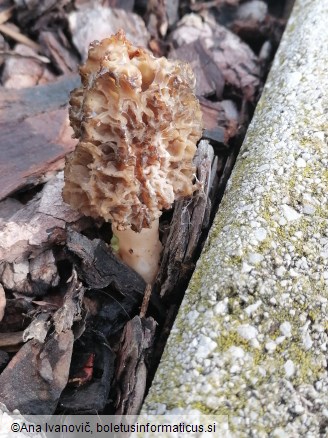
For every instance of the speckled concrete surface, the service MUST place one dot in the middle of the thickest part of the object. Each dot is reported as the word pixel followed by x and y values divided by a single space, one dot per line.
pixel 251 338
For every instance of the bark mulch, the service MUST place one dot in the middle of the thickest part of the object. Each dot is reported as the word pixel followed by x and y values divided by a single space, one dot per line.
pixel 80 332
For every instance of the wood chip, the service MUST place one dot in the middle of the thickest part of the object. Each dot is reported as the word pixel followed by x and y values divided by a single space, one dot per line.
pixel 209 79
pixel 4 359
pixel 17 36
pixel 34 379
pixel 34 56
pixel 57 48
pixel 100 267
pixel 236 61
pixel 200 215
pixel 201 6
pixel 222 115
pixel 255 31
pixel 2 302
pixel 96 23
pixel 116 292
pixel 34 277
pixel 39 327
pixel 6 14
pixel 189 219
pixel 35 133
pixel 20 105
pixel 22 71
pixel 157 17
pixel 131 372
pixel 16 317
pixel 92 397
pixel 31 10
pixel 10 339
pixel 33 228
pixel 71 310
pixel 43 270
pixel 4 47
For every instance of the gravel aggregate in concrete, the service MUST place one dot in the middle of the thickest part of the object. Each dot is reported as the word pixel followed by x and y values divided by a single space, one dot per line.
pixel 250 340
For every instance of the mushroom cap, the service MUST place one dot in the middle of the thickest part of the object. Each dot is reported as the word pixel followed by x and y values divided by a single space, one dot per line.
pixel 138 122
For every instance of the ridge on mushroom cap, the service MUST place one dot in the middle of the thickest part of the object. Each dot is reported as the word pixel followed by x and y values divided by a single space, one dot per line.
pixel 138 122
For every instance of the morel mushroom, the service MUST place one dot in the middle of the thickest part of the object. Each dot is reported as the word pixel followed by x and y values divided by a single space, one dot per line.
pixel 138 122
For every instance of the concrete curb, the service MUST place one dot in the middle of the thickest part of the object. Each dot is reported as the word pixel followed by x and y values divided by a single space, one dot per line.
pixel 250 340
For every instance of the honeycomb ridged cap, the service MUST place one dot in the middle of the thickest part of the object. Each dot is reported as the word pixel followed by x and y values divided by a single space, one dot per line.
pixel 138 121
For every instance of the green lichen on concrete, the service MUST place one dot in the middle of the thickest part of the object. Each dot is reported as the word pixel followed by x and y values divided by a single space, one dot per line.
pixel 201 407
pixel 322 211
pixel 231 339
pixel 325 173
pixel 307 369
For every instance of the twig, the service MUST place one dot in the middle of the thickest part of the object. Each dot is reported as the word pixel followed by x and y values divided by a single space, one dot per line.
pixel 214 3
pixel 6 14
pixel 145 301
pixel 17 36
pixel 39 58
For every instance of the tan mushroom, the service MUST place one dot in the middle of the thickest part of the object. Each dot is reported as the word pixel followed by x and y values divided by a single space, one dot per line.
pixel 138 122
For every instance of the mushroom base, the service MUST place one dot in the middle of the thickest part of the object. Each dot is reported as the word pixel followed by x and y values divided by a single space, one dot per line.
pixel 141 251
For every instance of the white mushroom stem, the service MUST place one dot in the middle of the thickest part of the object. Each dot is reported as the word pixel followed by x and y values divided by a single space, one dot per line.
pixel 141 251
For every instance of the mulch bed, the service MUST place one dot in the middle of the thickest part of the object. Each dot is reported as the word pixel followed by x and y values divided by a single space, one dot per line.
pixel 80 332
